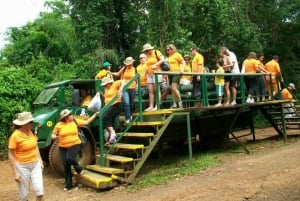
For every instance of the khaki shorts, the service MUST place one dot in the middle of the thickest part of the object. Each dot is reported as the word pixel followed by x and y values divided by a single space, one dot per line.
pixel 151 79
pixel 30 172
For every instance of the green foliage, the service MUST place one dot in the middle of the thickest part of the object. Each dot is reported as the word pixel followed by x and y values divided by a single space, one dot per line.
pixel 51 35
pixel 18 89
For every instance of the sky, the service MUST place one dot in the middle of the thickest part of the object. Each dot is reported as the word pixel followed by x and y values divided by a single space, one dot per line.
pixel 16 13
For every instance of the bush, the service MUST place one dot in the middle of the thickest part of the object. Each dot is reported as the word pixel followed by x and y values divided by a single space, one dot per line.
pixel 18 90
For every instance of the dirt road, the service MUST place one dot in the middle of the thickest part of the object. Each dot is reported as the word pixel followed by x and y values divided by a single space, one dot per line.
pixel 266 175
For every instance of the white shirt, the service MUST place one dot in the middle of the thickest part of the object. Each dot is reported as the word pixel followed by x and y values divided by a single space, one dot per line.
pixel 235 68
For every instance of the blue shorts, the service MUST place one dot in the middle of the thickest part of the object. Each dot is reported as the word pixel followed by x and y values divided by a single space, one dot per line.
pixel 220 90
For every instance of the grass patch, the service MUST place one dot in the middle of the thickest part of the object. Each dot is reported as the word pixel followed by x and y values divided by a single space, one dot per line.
pixel 155 173
pixel 174 166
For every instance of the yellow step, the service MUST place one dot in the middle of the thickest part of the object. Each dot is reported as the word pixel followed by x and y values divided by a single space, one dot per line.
pixel 106 170
pixel 150 123
pixel 120 159
pixel 141 135
pixel 129 146
pixel 157 112
pixel 95 180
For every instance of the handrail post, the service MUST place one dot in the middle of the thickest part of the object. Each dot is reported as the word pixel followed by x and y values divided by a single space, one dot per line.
pixel 188 124
pixel 243 88
pixel 157 91
pixel 204 89
pixel 140 102
pixel 101 144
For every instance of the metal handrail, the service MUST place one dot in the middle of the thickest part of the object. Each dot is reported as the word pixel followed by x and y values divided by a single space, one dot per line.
pixel 204 83
pixel 108 105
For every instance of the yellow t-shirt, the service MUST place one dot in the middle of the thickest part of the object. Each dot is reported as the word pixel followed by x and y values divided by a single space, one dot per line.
pixel 104 73
pixel 112 91
pixel 86 101
pixel 273 68
pixel 286 95
pixel 127 73
pixel 219 79
pixel 25 146
pixel 68 133
pixel 175 61
pixel 187 69
pixel 151 60
pixel 198 60
pixel 250 65
pixel 142 69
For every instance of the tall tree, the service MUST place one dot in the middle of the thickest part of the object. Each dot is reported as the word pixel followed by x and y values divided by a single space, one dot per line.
pixel 51 35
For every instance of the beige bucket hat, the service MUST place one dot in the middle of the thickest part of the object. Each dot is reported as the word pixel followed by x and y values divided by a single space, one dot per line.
pixel 292 86
pixel 64 113
pixel 146 47
pixel 128 61
pixel 106 80
pixel 23 118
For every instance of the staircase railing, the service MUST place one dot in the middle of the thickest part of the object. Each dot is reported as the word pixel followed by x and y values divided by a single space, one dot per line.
pixel 136 78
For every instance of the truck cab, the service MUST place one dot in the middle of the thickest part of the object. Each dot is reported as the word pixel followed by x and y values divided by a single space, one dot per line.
pixel 47 107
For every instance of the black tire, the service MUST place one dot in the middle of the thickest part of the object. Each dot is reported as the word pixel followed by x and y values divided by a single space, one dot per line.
pixel 85 157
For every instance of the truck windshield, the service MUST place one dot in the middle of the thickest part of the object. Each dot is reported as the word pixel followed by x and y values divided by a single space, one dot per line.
pixel 45 96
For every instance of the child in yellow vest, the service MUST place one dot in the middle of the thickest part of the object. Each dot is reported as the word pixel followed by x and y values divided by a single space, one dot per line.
pixel 219 82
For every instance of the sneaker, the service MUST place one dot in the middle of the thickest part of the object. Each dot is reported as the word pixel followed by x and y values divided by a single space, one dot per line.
pixel 173 106
pixel 153 109
pixel 127 121
pixel 148 109
pixel 248 100
pixel 252 100
pixel 218 105
pixel 67 190
pixel 233 103
pixel 180 104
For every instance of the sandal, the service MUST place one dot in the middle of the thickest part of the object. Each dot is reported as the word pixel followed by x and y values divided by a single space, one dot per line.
pixel 111 141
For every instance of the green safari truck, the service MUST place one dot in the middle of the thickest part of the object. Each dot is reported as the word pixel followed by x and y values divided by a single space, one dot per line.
pixel 47 107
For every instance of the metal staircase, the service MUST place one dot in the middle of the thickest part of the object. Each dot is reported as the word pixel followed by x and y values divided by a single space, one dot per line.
pixel 282 115
pixel 125 158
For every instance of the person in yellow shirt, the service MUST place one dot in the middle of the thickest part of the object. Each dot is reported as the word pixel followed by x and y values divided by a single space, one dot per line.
pixel 85 98
pixel 153 61
pixel 126 73
pixel 251 64
pixel 220 82
pixel 273 67
pixel 66 131
pixel 261 91
pixel 197 67
pixel 105 71
pixel 112 88
pixel 186 79
pixel 289 108
pixel 177 65
pixel 24 157
pixel 141 69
